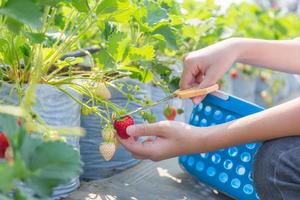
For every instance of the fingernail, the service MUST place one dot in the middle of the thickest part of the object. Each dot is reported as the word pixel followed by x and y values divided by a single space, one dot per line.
pixel 196 100
pixel 130 130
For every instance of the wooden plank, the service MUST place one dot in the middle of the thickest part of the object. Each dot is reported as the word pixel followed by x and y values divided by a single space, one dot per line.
pixel 147 181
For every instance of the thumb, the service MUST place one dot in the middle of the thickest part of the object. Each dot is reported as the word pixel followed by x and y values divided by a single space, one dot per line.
pixel 153 129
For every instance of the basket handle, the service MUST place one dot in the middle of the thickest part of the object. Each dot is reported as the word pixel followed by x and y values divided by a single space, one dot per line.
pixel 195 91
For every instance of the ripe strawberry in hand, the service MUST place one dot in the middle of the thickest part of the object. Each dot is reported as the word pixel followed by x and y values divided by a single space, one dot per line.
pixel 170 112
pixel 121 126
pixel 233 74
pixel 3 144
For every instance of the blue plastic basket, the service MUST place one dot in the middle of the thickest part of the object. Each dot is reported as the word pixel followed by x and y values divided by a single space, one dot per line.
pixel 227 170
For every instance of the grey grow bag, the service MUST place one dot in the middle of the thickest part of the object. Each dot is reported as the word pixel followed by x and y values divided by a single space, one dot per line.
pixel 57 109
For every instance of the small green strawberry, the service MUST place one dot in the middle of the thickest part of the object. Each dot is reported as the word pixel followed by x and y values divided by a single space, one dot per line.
pixel 102 91
pixel 108 133
pixel 148 116
pixel 180 111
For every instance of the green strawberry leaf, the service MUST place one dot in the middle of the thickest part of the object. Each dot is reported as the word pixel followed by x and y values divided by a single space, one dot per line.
pixel 8 124
pixel 169 35
pixel 107 6
pixel 35 37
pixel 174 84
pixel 114 44
pixel 24 11
pixel 105 60
pixel 155 13
pixel 142 53
pixel 7 178
pixel 52 163
pixel 81 5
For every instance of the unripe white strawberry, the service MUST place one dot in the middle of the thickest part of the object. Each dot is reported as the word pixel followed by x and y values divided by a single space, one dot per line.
pixel 102 91
pixel 107 150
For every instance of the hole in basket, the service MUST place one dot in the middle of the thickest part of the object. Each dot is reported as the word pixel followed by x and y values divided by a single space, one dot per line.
pixel 250 176
pixel 218 115
pixel 228 164
pixel 196 120
pixel 192 116
pixel 216 158
pixel 245 157
pixel 211 171
pixel 204 155
pixel 248 189
pixel 207 110
pixel 233 151
pixel 200 166
pixel 191 161
pixel 240 170
pixel 199 108
pixel 235 183
pixel 256 195
pixel 223 177
pixel 203 122
pixel 251 146
pixel 183 158
pixel 229 118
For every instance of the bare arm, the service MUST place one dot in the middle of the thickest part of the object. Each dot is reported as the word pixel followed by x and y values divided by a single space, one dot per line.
pixel 278 55
pixel 279 121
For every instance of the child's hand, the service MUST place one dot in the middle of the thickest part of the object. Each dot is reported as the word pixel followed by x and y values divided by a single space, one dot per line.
pixel 171 139
pixel 206 66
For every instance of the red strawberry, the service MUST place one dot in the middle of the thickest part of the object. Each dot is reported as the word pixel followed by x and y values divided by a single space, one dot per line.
pixel 121 126
pixel 233 74
pixel 3 144
pixel 170 112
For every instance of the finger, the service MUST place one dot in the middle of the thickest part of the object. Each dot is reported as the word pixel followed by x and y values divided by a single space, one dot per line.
pixel 206 81
pixel 199 78
pixel 139 157
pixel 153 129
pixel 136 147
pixel 186 80
pixel 197 100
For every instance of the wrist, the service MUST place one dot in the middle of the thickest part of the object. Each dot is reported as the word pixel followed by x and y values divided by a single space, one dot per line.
pixel 200 140
pixel 238 47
